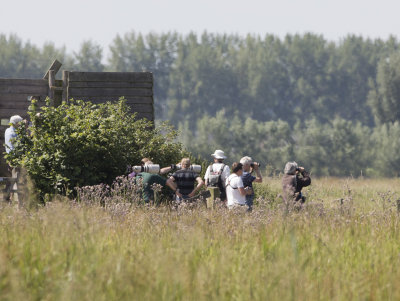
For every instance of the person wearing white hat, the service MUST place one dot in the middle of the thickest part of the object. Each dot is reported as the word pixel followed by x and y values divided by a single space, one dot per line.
pixel 217 173
pixel 9 137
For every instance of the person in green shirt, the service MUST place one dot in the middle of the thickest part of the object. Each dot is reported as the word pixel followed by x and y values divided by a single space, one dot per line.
pixel 149 179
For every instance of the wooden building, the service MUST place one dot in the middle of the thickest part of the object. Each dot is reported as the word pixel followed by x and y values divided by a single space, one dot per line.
pixel 97 87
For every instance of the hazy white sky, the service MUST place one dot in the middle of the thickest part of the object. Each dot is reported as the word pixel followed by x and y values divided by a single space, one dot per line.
pixel 71 22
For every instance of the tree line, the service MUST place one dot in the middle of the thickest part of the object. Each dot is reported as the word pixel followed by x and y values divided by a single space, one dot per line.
pixel 333 107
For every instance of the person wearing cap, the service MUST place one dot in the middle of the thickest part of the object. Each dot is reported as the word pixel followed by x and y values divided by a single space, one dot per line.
pixel 248 167
pixel 217 173
pixel 10 136
pixel 293 181
pixel 185 179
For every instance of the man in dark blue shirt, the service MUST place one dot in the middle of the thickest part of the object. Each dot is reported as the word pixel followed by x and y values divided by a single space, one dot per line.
pixel 185 180
pixel 248 167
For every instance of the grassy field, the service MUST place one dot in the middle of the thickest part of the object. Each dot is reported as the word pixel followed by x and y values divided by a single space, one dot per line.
pixel 343 245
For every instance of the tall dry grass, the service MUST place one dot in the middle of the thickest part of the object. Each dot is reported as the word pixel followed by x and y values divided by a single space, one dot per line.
pixel 343 245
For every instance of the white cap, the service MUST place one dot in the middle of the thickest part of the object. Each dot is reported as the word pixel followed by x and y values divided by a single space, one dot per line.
pixel 246 160
pixel 15 119
pixel 218 154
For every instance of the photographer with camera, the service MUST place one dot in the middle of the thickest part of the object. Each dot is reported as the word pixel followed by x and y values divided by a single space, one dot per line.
pixel 185 179
pixel 293 181
pixel 248 168
pixel 217 173
pixel 149 176
pixel 152 168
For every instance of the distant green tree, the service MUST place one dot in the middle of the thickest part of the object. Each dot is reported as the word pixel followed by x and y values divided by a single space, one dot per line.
pixel 19 60
pixel 89 57
pixel 202 81
pixel 154 53
pixel 340 148
pixel 267 142
pixel 385 145
pixel 384 96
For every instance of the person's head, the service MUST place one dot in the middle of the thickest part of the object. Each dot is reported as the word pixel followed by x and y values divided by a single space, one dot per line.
pixel 145 161
pixel 291 168
pixel 246 161
pixel 185 163
pixel 218 155
pixel 237 168
pixel 14 120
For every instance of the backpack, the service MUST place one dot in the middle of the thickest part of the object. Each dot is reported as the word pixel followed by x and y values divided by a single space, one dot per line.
pixel 214 178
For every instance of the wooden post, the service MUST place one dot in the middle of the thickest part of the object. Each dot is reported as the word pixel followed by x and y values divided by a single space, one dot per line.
pixel 214 195
pixel 55 66
pixel 65 86
pixel 52 84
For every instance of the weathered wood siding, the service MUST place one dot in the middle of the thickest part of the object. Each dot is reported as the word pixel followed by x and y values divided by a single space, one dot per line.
pixel 99 87
pixel 14 100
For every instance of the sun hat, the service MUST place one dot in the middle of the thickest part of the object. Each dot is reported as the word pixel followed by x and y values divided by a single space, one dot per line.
pixel 218 154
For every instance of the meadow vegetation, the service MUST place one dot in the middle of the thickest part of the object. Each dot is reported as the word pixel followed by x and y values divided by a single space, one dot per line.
pixel 343 245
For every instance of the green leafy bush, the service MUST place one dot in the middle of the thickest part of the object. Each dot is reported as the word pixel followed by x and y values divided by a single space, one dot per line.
pixel 79 143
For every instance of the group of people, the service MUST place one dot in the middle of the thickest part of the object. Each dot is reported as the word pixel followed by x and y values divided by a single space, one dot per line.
pixel 235 184
pixel 235 188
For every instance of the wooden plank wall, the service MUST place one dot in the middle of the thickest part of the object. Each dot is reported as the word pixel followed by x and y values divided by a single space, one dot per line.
pixel 14 100
pixel 99 87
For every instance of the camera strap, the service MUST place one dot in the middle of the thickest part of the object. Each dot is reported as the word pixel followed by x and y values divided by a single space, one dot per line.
pixel 229 182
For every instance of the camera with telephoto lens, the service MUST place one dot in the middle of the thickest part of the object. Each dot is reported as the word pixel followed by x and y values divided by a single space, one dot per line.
pixel 193 167
pixel 254 163
pixel 150 168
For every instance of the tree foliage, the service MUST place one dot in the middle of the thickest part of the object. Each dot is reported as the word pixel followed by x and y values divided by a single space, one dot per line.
pixel 79 144
pixel 384 97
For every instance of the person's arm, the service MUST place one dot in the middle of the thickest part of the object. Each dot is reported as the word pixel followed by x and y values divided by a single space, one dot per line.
pixel 225 173
pixel 240 187
pixel 171 184
pixel 167 169
pixel 175 189
pixel 303 181
pixel 258 174
pixel 206 175
pixel 242 191
pixel 200 183
pixel 7 140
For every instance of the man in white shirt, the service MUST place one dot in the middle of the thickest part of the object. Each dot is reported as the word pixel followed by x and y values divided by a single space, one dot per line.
pixel 235 192
pixel 10 133
pixel 9 136
pixel 217 173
